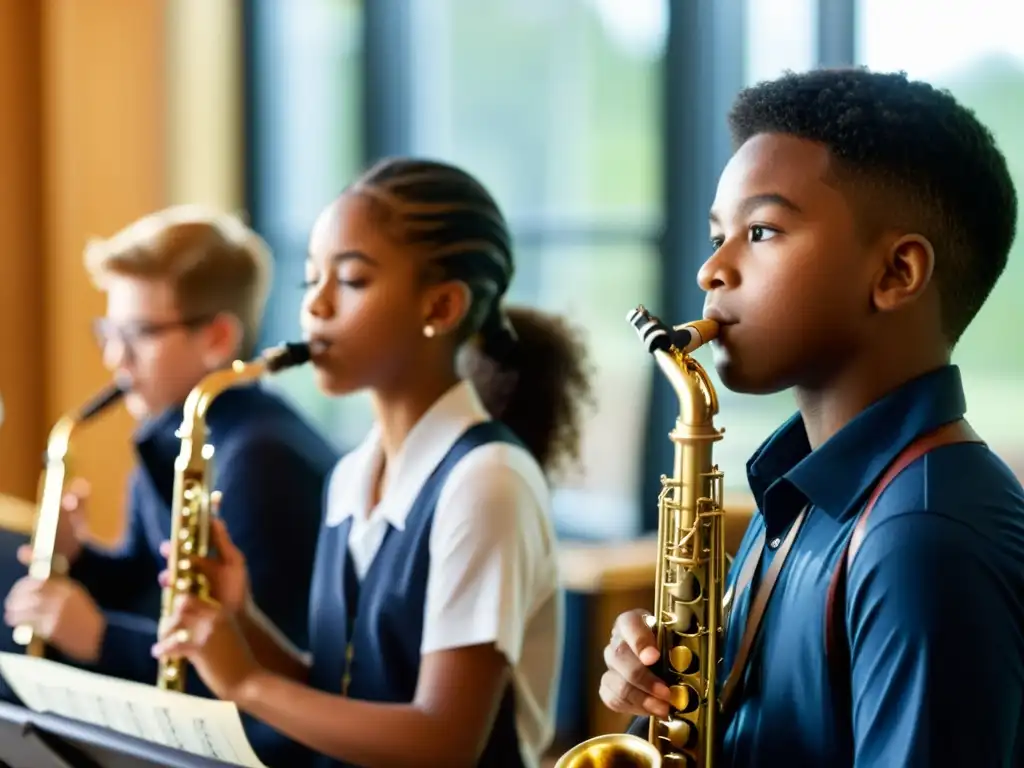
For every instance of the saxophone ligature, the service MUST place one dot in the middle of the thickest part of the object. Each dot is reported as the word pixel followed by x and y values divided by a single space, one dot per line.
pixel 193 469
pixel 46 561
pixel 690 571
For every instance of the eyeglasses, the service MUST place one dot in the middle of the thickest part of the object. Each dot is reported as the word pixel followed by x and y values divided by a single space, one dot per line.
pixel 130 334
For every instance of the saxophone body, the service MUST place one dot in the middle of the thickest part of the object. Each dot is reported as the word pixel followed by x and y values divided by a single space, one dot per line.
pixel 46 561
pixel 193 469
pixel 690 574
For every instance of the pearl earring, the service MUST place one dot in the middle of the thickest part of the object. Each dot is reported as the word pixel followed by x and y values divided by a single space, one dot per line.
pixel 428 331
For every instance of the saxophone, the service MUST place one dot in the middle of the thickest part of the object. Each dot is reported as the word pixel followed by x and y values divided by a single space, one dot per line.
pixel 691 569
pixel 45 560
pixel 191 506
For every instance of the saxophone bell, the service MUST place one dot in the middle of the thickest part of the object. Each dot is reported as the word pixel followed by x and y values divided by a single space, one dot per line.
pixel 690 571
pixel 192 505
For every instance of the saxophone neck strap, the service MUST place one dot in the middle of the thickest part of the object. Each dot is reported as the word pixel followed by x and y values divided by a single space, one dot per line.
pixel 758 604
pixel 836 649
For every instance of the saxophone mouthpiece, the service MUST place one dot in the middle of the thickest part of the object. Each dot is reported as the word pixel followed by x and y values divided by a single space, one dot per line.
pixel 701 332
pixel 102 400
pixel 657 336
pixel 287 355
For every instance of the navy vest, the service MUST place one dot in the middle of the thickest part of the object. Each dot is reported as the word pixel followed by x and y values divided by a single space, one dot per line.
pixel 366 636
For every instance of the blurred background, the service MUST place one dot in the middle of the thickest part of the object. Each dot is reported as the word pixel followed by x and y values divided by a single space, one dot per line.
pixel 598 124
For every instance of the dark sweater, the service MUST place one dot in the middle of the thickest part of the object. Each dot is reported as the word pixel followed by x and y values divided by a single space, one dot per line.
pixel 271 467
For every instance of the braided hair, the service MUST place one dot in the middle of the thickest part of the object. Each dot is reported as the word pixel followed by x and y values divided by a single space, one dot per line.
pixel 529 368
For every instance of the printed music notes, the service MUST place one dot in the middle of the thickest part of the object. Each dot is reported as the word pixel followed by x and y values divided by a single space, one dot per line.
pixel 192 724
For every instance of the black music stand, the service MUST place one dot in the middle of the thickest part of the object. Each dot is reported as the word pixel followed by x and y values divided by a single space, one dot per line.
pixel 33 740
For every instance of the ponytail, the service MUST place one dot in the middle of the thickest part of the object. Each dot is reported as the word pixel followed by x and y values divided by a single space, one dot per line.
pixel 536 380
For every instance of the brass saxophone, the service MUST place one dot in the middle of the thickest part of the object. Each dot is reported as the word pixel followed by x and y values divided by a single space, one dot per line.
pixel 691 570
pixel 45 560
pixel 193 470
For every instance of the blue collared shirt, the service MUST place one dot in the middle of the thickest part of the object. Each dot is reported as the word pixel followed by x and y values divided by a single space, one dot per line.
pixel 935 597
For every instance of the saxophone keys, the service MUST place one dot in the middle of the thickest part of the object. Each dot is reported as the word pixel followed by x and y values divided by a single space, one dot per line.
pixel 677 733
pixel 679 697
pixel 686 589
pixel 680 657
pixel 683 621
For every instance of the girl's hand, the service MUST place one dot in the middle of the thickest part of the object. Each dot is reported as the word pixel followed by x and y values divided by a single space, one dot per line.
pixel 207 636
pixel 226 572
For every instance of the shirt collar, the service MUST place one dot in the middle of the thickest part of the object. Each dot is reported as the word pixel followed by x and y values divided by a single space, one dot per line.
pixel 840 473
pixel 425 446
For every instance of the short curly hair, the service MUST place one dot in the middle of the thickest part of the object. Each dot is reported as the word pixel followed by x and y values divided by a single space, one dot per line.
pixel 928 164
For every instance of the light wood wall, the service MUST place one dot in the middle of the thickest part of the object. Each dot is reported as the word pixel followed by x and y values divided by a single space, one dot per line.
pixel 105 119
pixel 21 264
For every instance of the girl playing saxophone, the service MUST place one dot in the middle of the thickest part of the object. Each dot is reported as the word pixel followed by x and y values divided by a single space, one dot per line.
pixel 436 612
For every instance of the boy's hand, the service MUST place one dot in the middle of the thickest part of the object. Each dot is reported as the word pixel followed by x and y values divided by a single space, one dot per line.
pixel 629 686
pixel 61 612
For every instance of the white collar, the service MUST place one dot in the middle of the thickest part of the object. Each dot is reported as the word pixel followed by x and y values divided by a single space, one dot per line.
pixel 425 446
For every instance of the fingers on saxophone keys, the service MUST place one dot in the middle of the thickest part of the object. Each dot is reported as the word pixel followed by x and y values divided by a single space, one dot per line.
pixel 175 634
pixel 175 640
pixel 636 628
pixel 619 696
pixel 184 610
pixel 622 661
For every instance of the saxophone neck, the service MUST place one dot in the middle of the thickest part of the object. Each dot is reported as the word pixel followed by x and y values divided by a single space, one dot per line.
pixel 240 372
pixel 59 440
pixel 698 400
pixel 199 400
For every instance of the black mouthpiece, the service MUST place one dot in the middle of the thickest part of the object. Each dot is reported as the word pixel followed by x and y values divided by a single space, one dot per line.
pixel 100 402
pixel 656 335
pixel 652 332
pixel 287 355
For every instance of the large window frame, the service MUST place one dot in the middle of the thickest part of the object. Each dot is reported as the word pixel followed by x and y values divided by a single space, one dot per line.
pixel 703 70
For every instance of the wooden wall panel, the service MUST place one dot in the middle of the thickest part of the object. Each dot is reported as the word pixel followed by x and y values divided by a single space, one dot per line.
pixel 104 100
pixel 205 98
pixel 21 293
pixel 112 109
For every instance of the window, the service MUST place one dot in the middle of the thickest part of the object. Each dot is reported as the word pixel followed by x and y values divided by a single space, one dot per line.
pixel 975 51
pixel 780 35
pixel 304 101
pixel 554 105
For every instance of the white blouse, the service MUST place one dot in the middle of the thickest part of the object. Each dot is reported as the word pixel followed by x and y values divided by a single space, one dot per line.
pixel 493 562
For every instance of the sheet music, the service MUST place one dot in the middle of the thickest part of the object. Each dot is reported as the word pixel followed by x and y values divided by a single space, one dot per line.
pixel 205 727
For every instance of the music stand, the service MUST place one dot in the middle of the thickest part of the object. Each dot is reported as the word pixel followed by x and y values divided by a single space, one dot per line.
pixel 43 740
pixel 21 746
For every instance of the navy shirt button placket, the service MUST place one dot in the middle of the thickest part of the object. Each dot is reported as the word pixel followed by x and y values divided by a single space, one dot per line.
pixel 774 543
